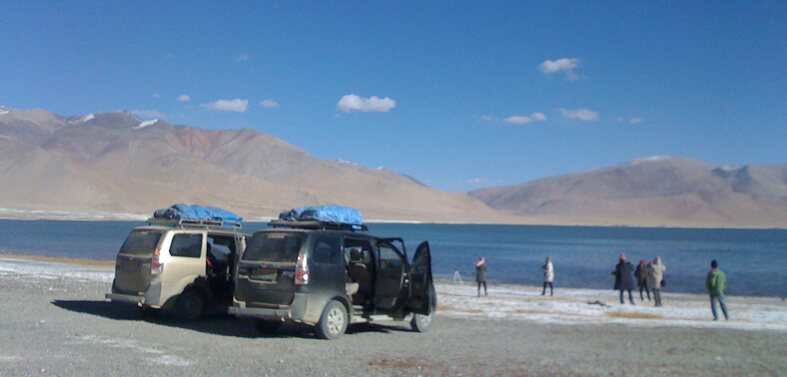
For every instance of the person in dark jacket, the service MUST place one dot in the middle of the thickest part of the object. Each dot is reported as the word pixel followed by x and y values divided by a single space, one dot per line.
pixel 716 283
pixel 642 279
pixel 480 274
pixel 623 278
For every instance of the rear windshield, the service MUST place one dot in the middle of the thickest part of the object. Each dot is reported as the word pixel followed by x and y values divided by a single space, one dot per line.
pixel 141 242
pixel 274 247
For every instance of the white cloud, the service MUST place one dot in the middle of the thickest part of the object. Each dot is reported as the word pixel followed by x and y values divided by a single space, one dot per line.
pixel 581 114
pixel 156 95
pixel 518 119
pixel 635 120
pixel 242 58
pixel 236 106
pixel 352 102
pixel 566 65
pixel 268 104
pixel 148 113
pixel 184 98
pixel 539 116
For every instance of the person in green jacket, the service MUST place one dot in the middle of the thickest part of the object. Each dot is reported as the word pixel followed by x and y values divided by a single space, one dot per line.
pixel 716 283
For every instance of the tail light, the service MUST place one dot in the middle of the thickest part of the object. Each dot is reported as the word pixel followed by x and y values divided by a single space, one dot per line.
pixel 156 266
pixel 302 270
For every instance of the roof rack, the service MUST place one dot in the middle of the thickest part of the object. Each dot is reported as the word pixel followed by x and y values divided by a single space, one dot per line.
pixel 203 223
pixel 315 224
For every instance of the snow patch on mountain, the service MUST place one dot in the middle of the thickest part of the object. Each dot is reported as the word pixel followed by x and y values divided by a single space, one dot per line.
pixel 146 123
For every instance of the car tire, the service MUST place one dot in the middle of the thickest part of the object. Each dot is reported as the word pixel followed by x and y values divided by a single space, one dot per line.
pixel 421 323
pixel 189 306
pixel 333 321
pixel 266 327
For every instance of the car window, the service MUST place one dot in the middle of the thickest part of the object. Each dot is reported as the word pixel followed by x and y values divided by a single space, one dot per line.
pixel 327 250
pixel 390 257
pixel 274 247
pixel 141 242
pixel 186 245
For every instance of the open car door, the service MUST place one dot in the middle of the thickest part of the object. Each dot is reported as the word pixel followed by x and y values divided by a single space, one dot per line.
pixel 422 295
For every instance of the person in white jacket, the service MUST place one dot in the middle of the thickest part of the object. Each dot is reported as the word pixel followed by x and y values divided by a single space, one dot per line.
pixel 549 276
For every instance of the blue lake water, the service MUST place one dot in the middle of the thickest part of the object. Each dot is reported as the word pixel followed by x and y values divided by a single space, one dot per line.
pixel 755 261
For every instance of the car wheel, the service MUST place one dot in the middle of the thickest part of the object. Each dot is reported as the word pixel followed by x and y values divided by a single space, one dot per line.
pixel 267 327
pixel 333 322
pixel 421 323
pixel 189 306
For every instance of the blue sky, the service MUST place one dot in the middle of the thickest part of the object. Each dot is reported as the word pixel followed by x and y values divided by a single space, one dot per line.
pixel 458 94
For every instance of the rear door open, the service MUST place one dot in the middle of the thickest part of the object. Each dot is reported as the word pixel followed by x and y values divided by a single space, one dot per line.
pixel 266 270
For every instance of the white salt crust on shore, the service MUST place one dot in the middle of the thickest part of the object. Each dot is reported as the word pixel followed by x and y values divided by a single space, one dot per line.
pixel 577 307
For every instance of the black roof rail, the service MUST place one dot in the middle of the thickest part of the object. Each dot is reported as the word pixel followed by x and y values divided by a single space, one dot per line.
pixel 203 223
pixel 315 224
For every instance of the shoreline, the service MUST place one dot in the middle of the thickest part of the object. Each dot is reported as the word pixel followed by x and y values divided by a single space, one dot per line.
pixel 520 303
pixel 44 215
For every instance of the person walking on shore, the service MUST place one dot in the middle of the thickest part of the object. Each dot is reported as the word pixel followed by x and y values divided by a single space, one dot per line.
pixel 623 279
pixel 549 276
pixel 655 274
pixel 480 274
pixel 642 279
pixel 716 283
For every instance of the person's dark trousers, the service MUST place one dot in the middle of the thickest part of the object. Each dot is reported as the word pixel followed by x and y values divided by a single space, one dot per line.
pixel 722 302
pixel 646 289
pixel 479 288
pixel 551 290
pixel 631 297
pixel 657 296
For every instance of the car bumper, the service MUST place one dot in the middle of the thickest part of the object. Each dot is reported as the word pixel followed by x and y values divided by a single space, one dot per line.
pixel 129 299
pixel 297 311
pixel 150 298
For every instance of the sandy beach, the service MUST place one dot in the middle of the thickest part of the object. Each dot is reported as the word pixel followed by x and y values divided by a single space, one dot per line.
pixel 56 322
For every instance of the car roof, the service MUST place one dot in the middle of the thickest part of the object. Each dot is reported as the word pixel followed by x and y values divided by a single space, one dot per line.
pixel 210 230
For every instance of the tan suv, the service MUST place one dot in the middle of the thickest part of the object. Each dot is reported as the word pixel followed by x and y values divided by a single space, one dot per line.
pixel 184 267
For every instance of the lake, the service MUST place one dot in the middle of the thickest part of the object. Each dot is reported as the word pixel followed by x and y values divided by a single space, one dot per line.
pixel 755 260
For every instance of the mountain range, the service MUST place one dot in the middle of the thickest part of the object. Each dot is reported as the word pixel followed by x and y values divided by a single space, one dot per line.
pixel 116 164
pixel 656 191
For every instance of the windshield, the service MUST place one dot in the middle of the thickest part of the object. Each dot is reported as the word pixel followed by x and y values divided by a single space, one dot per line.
pixel 274 247
pixel 141 242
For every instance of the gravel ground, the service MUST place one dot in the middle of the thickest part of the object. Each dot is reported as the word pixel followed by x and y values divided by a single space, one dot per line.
pixel 60 325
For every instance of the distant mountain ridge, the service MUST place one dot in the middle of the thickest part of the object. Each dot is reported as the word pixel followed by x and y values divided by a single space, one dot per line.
pixel 657 191
pixel 114 162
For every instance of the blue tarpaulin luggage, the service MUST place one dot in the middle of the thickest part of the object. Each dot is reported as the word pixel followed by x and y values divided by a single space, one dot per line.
pixel 328 214
pixel 196 212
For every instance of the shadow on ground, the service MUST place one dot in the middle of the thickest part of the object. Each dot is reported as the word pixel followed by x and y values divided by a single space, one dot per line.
pixel 217 322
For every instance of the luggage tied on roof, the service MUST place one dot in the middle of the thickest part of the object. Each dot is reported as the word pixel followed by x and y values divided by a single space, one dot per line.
pixel 196 212
pixel 328 214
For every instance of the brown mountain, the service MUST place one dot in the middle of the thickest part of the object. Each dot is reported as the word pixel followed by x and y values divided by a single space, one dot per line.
pixel 115 163
pixel 659 191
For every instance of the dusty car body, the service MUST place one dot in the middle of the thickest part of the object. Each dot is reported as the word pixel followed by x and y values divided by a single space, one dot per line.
pixel 327 275
pixel 183 267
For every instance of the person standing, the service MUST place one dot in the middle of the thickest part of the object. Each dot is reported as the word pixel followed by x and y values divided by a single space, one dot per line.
pixel 480 274
pixel 623 279
pixel 549 276
pixel 655 274
pixel 642 279
pixel 716 283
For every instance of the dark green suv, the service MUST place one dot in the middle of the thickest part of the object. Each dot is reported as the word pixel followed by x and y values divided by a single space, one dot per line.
pixel 328 275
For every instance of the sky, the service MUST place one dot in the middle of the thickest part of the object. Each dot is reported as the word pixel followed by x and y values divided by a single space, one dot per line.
pixel 460 95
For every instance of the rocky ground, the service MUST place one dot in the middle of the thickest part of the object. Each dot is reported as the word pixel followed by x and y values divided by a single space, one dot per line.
pixel 55 322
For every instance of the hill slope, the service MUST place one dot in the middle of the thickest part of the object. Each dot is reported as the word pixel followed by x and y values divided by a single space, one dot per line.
pixel 116 163
pixel 660 191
